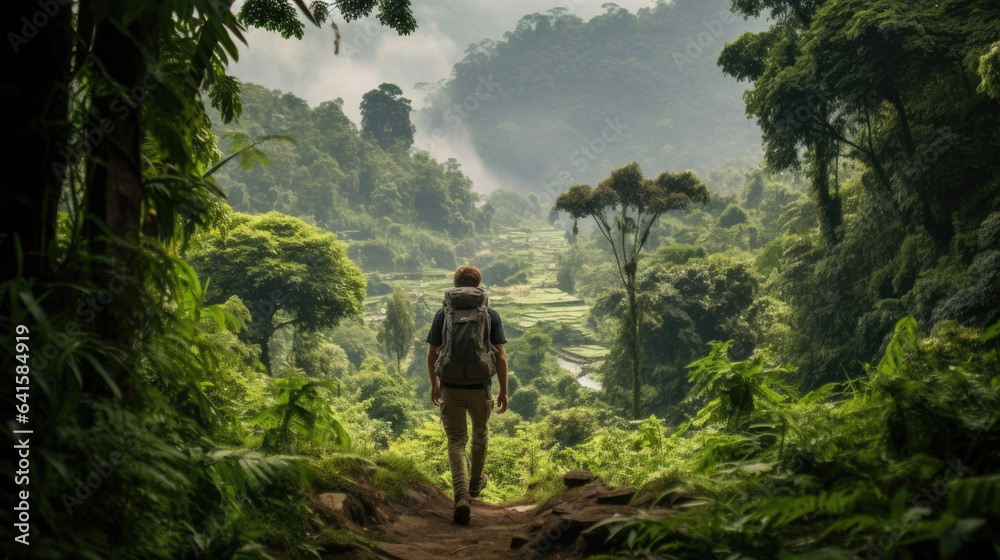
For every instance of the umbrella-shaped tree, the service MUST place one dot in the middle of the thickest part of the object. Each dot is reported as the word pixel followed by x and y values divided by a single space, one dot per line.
pixel 625 206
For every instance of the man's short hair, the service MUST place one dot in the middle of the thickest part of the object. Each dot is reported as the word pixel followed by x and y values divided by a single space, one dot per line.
pixel 468 276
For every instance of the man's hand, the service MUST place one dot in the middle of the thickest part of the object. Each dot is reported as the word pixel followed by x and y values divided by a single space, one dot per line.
pixel 436 391
pixel 501 357
pixel 502 402
pixel 432 356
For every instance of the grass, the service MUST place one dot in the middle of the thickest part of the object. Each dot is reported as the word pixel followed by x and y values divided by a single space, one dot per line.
pixel 591 351
pixel 396 472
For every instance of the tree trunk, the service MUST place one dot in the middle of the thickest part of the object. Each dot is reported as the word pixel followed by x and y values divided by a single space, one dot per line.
pixel 37 105
pixel 941 231
pixel 829 207
pixel 633 346
pixel 114 188
pixel 264 339
pixel 892 94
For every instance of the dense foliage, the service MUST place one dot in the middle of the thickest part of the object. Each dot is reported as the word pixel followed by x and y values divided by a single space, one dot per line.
pixel 397 209
pixel 141 396
pixel 813 346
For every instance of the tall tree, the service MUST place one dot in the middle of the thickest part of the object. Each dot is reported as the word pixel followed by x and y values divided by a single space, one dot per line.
pixel 791 110
pixel 625 206
pixel 107 113
pixel 142 69
pixel 290 274
pixel 862 78
pixel 396 332
pixel 385 116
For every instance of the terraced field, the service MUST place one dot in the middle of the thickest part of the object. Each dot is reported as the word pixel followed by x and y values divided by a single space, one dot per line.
pixel 539 301
pixel 522 306
pixel 586 352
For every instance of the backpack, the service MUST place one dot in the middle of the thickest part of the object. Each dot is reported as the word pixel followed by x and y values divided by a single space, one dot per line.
pixel 466 357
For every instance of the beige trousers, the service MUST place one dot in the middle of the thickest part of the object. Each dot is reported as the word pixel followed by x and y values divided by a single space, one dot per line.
pixel 455 403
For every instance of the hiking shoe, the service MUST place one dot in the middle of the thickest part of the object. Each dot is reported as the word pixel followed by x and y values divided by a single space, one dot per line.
pixel 476 486
pixel 462 513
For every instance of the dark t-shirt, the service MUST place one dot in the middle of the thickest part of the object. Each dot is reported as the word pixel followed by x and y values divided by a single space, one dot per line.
pixel 436 337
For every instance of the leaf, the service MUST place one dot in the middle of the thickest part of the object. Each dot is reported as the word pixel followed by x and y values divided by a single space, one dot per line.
pixel 343 438
pixel 133 9
pixel 907 333
pixel 991 332
pixel 34 308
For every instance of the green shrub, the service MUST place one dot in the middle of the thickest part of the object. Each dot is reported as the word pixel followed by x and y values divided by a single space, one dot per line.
pixel 526 403
pixel 437 252
pixel 565 280
pixel 731 216
pixel 506 267
pixel 390 394
pixel 568 427
pixel 372 255
pixel 357 341
pixel 505 424
pixel 678 253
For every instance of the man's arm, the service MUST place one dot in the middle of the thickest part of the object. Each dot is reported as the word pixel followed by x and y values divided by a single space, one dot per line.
pixel 432 356
pixel 502 378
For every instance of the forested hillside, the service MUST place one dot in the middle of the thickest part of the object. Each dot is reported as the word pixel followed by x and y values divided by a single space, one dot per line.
pixel 218 295
pixel 394 203
pixel 559 100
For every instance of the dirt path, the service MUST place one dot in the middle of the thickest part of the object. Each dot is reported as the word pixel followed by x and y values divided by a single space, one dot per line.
pixel 424 529
pixel 419 526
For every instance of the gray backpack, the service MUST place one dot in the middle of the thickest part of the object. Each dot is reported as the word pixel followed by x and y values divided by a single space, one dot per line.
pixel 466 357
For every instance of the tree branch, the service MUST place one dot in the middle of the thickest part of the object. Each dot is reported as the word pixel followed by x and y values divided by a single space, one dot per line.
pixel 602 224
pixel 837 136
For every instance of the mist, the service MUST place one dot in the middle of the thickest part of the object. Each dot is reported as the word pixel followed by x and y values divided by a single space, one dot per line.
pixel 371 54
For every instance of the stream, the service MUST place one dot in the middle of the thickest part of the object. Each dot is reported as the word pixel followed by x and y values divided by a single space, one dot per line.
pixel 576 369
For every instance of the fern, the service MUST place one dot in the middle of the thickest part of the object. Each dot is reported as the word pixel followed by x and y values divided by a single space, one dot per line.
pixel 975 496
pixel 301 405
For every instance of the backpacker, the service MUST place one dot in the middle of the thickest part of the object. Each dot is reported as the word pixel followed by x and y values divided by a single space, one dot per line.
pixel 466 357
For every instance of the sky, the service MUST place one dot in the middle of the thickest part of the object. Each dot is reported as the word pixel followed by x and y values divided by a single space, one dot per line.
pixel 371 54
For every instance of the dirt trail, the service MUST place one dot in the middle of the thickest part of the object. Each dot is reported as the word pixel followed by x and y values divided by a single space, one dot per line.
pixel 424 529
pixel 419 526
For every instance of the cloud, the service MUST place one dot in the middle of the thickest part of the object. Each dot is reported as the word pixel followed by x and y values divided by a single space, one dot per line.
pixel 371 55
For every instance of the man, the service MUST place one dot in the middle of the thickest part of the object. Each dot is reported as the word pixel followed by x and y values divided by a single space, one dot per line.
pixel 455 398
